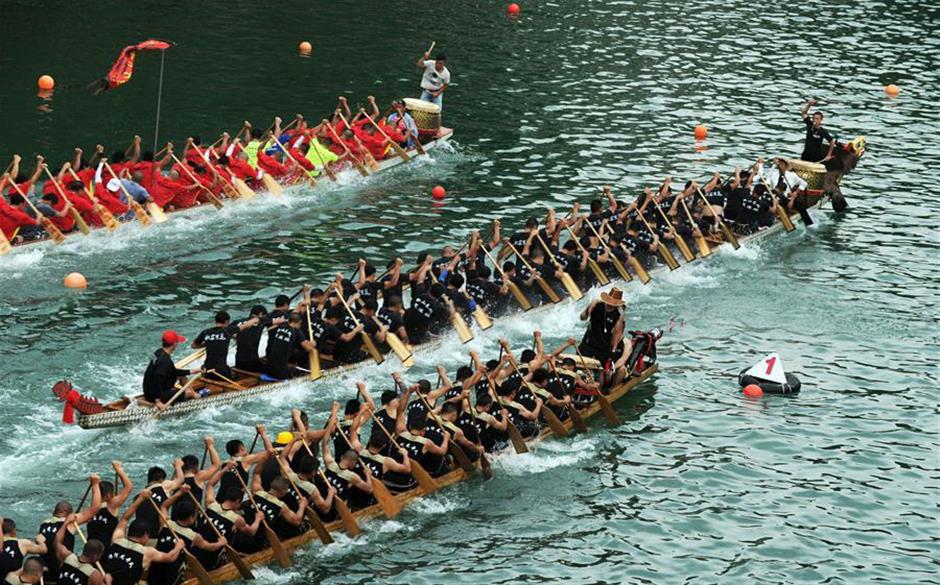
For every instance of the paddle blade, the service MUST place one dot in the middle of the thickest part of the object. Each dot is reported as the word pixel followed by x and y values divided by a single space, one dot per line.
pixel 79 221
pixel 460 456
pixel 704 249
pixel 577 421
pixel 107 218
pixel 156 212
pixel 388 503
pixel 52 230
pixel 608 410
pixel 463 330
pixel 242 188
pixel 271 185
pixel 140 214
pixel 554 423
pixel 549 291
pixel 520 298
pixel 482 319
pixel 198 571
pixel 621 269
pixel 313 359
pixel 515 437
pixel 641 272
pixel 318 527
pixel 598 272
pixel 5 246
pixel 485 466
pixel 402 352
pixel 372 349
pixel 684 248
pixel 666 254
pixel 573 290
pixel 277 547
pixel 427 483
pixel 349 521
pixel 237 560
pixel 784 218
pixel 729 235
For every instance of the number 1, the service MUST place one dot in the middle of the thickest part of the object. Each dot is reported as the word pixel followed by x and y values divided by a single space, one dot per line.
pixel 770 364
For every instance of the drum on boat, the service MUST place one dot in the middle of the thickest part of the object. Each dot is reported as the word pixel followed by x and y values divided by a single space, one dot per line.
pixel 812 173
pixel 427 115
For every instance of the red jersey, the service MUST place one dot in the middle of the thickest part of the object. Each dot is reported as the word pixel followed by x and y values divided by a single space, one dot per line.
pixel 12 219
pixel 110 200
pixel 302 159
pixel 146 171
pixel 271 166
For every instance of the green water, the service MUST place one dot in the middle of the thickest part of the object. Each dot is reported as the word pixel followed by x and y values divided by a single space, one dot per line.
pixel 697 485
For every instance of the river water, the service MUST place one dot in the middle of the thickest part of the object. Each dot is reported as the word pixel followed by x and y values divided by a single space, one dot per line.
pixel 838 484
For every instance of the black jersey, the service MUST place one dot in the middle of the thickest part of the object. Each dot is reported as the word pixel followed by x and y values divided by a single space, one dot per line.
pixel 124 561
pixel 102 524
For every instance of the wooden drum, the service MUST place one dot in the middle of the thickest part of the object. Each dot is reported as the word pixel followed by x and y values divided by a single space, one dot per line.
pixel 427 115
pixel 812 173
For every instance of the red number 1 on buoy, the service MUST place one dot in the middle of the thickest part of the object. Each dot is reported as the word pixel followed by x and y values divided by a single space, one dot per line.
pixel 771 361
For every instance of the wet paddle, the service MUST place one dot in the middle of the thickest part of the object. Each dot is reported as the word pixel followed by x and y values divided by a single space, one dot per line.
pixel 277 547
pixel 592 263
pixel 662 248
pixel 106 217
pixel 549 291
pixel 700 243
pixel 725 230
pixel 558 428
pixel 79 220
pixel 606 407
pixel 213 198
pixel 576 420
pixel 349 521
pixel 782 214
pixel 366 338
pixel 680 241
pixel 618 265
pixel 388 503
pixel 574 291
pixel 517 294
pixel 232 555
pixel 515 437
pixel 313 357
pixel 402 154
pixel 192 563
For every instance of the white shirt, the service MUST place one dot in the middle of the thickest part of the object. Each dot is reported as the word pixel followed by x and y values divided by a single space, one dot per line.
pixel 432 80
pixel 793 181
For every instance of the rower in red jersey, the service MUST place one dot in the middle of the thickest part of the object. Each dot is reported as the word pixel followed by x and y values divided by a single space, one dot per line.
pixel 13 217
pixel 109 195
pixel 23 182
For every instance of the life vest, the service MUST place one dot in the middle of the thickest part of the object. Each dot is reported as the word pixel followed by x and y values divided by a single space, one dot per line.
pixel 74 571
pixel 124 562
pixel 251 149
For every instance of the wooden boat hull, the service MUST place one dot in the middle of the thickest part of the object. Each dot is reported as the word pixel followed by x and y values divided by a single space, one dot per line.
pixel 229 572
pixel 136 415
pixel 444 135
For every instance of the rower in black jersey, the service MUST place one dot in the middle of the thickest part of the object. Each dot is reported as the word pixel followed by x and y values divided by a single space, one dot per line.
pixel 392 315
pixel 182 521
pixel 50 527
pixel 225 513
pixel 491 421
pixel 105 520
pixel 249 338
pixel 194 475
pixel 30 574
pixel 216 340
pixel 14 549
pixel 78 569
pixel 160 488
pixel 411 428
pixel 352 482
pixel 285 521
pixel 129 556
pixel 311 487
pixel 243 460
pixel 428 314
pixel 287 343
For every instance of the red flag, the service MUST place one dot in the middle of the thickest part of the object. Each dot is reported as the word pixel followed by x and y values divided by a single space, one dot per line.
pixel 123 68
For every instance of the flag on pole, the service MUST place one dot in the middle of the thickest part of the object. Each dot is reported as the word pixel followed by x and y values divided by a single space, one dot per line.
pixel 123 68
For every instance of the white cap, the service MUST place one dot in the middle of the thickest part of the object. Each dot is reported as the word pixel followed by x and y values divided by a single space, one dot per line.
pixel 114 185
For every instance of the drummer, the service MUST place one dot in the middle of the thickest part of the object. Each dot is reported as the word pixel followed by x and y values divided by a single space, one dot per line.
pixel 436 78
pixel 404 123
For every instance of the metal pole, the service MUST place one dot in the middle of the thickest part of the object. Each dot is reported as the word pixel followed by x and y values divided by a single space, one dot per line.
pixel 156 132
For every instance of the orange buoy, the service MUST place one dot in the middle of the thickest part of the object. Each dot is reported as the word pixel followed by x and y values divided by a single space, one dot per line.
pixel 75 280
pixel 438 192
pixel 701 132
pixel 753 391
pixel 46 82
pixel 513 9
pixel 305 47
pixel 892 90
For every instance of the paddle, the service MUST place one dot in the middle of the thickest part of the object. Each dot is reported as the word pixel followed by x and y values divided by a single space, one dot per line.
pixel 592 263
pixel 680 241
pixel 179 393
pixel 241 187
pixel 549 291
pixel 277 547
pixel 106 217
pixel 322 533
pixel 618 265
pixel 557 427
pixel 366 338
pixel 485 466
pixel 229 187
pixel 192 563
pixel 362 170
pixel 349 521
pixel 367 155
pixel 78 530
pixel 662 248
pixel 576 420
pixel 388 503
pixel 725 230
pixel 213 198
pixel 316 150
pixel 310 180
pixel 190 358
pixel 81 503
pixel 700 243
pixel 782 214
pixel 5 245
pixel 422 477
pixel 456 450
pixel 574 291
pixel 517 294
pixel 139 212
pixel 402 154
pixel 44 221
pixel 313 357
pixel 606 407
pixel 231 554
pixel 515 437
pixel 79 220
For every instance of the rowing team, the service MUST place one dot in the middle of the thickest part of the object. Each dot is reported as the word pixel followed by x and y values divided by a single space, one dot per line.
pixel 99 191
pixel 418 433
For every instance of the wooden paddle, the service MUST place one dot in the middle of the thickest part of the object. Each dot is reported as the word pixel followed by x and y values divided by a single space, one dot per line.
pixel 316 150
pixel 606 407
pixel 192 563
pixel 199 353
pixel 592 263
pixel 359 166
pixel 574 291
pixel 5 245
pixel 230 187
pixel 179 393
pixel 576 419
pixel 549 291
pixel 459 455
pixel 277 547
pixel 79 220
pixel 366 338
pixel 402 154
pixel 782 214
pixel 366 154
pixel 700 243
pixel 139 212
pixel 232 555
pixel 517 293
pixel 213 198
pixel 515 437
pixel 618 265
pixel 557 427
pixel 662 248
pixel 106 217
pixel 725 230
pixel 485 466
pixel 313 357
pixel 349 521
pixel 388 503
pixel 427 483
pixel 680 241
pixel 322 533
pixel 44 221
pixel 78 530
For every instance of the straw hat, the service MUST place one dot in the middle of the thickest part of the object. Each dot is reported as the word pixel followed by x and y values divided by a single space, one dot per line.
pixel 614 298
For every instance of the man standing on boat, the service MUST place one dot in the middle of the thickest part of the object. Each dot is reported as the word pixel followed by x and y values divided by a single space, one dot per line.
pixel 436 78
pixel 605 326
pixel 813 149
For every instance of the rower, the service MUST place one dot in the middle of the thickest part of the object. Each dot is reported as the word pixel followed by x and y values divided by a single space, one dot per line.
pixel 492 427
pixel 80 570
pixel 285 522
pixel 466 435
pixel 129 555
pixel 411 427
pixel 605 321
pixel 216 340
pixel 310 485
pixel 285 341
pixel 523 407
pixel 225 514
pixel 30 574
pixel 786 184
pixel 349 347
pixel 392 315
pixel 249 338
pixel 436 78
pixel 161 374
pixel 393 470
pixel 102 524
pixel 160 488
pixel 14 550
pixel 427 315
pixel 237 451
pixel 404 123
pixel 344 474
pixel 556 395
pixel 14 220
pixel 50 527
pixel 813 149
pixel 349 425
pixel 194 476
pixel 182 520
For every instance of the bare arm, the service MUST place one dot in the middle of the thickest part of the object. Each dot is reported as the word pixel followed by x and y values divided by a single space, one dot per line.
pixel 88 513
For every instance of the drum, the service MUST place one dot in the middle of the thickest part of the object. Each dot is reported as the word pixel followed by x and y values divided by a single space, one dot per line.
pixel 812 173
pixel 427 115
